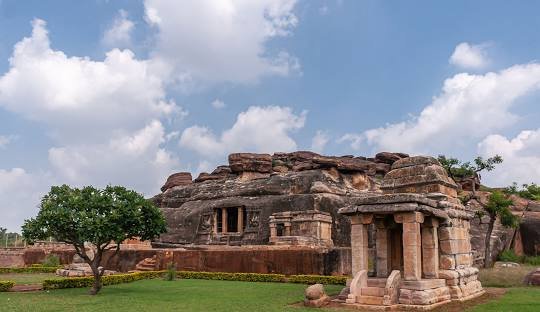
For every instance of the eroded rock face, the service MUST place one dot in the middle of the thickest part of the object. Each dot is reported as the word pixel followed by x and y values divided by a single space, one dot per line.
pixel 263 184
pixel 177 179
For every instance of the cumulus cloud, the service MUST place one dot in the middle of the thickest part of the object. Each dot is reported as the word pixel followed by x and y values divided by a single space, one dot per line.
pixel 521 156
pixel 259 129
pixel 218 104
pixel 319 141
pixel 119 34
pixel 135 160
pixel 20 193
pixel 221 40
pixel 80 98
pixel 468 108
pixel 470 56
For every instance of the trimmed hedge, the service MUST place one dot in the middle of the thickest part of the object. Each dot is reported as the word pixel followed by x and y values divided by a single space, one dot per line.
pixel 80 282
pixel 222 276
pixel 32 269
pixel 317 279
pixel 6 285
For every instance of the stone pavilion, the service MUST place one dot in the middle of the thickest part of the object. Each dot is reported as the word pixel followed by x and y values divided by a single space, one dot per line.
pixel 423 254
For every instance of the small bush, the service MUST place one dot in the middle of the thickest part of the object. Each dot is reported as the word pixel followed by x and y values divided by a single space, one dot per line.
pixel 532 260
pixel 80 282
pixel 509 256
pixel 6 285
pixel 317 279
pixel 170 275
pixel 222 276
pixel 51 260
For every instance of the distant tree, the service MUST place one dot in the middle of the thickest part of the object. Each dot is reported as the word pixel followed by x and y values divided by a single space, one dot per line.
pixel 459 170
pixel 528 191
pixel 103 218
pixel 497 206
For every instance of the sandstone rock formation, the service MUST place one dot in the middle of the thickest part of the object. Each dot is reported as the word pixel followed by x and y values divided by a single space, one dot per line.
pixel 254 186
pixel 177 179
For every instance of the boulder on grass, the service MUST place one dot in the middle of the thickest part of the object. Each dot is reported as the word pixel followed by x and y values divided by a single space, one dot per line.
pixel 532 278
pixel 315 296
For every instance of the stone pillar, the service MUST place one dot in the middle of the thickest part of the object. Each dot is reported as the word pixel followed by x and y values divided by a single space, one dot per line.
pixel 287 229
pixel 224 228
pixel 240 220
pixel 383 249
pixel 215 228
pixel 430 248
pixel 412 244
pixel 359 242
pixel 273 230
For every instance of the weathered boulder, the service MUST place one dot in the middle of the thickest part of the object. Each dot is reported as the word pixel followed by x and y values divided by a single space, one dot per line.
pixel 241 162
pixel 177 179
pixel 530 232
pixel 315 296
pixel 389 158
pixel 532 278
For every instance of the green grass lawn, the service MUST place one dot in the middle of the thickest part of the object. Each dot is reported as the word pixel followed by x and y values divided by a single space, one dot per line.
pixel 206 295
pixel 158 295
pixel 522 299
pixel 27 278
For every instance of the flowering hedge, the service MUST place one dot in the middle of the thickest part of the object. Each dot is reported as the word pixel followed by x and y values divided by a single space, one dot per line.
pixel 78 282
pixel 6 285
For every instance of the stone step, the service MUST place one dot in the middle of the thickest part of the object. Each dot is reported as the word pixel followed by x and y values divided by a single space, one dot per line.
pixel 376 282
pixel 372 291
pixel 370 300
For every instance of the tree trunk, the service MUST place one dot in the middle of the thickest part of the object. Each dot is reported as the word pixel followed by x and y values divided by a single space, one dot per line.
pixel 487 250
pixel 96 287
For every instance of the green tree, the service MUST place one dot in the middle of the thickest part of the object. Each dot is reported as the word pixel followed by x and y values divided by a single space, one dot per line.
pixel 528 191
pixel 104 218
pixel 497 206
pixel 460 171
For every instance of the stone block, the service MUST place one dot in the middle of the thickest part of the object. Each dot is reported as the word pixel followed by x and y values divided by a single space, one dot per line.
pixel 448 233
pixel 464 259
pixel 454 246
pixel 409 217
pixel 423 284
pixel 455 292
pixel 447 262
pixel 448 274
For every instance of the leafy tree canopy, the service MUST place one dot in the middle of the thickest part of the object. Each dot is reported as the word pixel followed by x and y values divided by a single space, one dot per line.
pixel 529 191
pixel 100 217
pixel 461 170
pixel 498 205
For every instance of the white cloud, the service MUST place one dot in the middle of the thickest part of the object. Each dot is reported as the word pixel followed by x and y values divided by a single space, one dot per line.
pixel 355 140
pixel 20 193
pixel 259 129
pixel 521 156
pixel 119 34
pixel 470 56
pixel 80 98
pixel 319 141
pixel 218 104
pixel 468 108
pixel 135 160
pixel 221 40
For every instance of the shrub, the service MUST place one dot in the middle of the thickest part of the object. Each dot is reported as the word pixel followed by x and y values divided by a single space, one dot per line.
pixel 6 285
pixel 532 260
pixel 244 277
pixel 170 275
pixel 36 265
pixel 32 269
pixel 509 256
pixel 317 279
pixel 51 260
pixel 79 282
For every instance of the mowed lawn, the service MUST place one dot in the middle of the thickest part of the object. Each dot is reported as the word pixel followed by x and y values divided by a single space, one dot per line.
pixel 159 295
pixel 205 295
pixel 27 278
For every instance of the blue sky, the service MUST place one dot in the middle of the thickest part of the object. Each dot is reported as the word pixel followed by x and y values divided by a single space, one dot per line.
pixel 128 92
